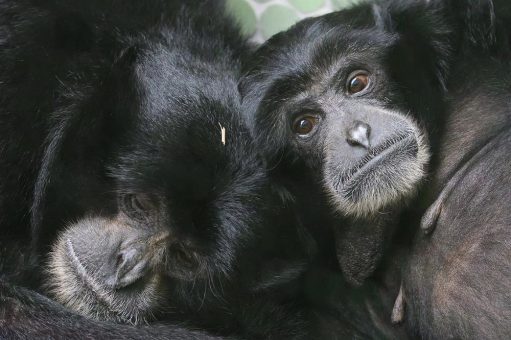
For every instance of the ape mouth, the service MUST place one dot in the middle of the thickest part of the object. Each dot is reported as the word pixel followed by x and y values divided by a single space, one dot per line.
pixel 400 146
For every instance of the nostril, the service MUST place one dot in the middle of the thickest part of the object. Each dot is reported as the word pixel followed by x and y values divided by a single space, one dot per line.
pixel 130 266
pixel 358 134
pixel 119 261
pixel 126 259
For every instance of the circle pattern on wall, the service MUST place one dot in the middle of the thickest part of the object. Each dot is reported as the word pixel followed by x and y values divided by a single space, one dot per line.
pixel 261 19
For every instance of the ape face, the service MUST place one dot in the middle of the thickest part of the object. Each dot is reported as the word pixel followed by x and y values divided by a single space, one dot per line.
pixel 326 94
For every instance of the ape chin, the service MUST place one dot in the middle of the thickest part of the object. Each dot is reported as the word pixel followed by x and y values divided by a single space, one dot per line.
pixel 108 270
pixel 387 172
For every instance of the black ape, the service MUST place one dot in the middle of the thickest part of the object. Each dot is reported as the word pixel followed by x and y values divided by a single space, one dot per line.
pixel 317 94
pixel 131 110
pixel 336 128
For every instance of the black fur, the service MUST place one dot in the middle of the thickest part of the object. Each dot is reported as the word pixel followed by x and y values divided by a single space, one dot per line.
pixel 458 279
pixel 436 61
pixel 102 99
pixel 27 315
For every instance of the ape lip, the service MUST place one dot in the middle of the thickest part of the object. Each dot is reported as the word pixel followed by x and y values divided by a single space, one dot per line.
pixel 387 147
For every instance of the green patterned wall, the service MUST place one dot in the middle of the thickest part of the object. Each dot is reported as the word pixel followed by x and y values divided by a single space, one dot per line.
pixel 263 18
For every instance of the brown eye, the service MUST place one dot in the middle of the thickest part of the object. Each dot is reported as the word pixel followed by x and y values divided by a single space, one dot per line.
pixel 358 82
pixel 304 125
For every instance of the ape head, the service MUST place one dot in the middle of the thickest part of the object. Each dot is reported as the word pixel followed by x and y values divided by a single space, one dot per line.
pixel 149 139
pixel 351 98
pixel 187 182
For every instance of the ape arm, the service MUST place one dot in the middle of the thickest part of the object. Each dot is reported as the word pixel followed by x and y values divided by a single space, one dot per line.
pixel 25 314
pixel 430 218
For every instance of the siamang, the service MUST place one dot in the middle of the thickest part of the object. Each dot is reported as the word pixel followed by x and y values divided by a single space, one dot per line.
pixel 369 159
pixel 125 117
pixel 330 101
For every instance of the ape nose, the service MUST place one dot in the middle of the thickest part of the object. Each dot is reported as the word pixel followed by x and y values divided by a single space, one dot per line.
pixel 130 265
pixel 358 134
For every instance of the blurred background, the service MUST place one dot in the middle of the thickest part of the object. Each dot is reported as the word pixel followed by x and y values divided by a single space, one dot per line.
pixel 260 19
